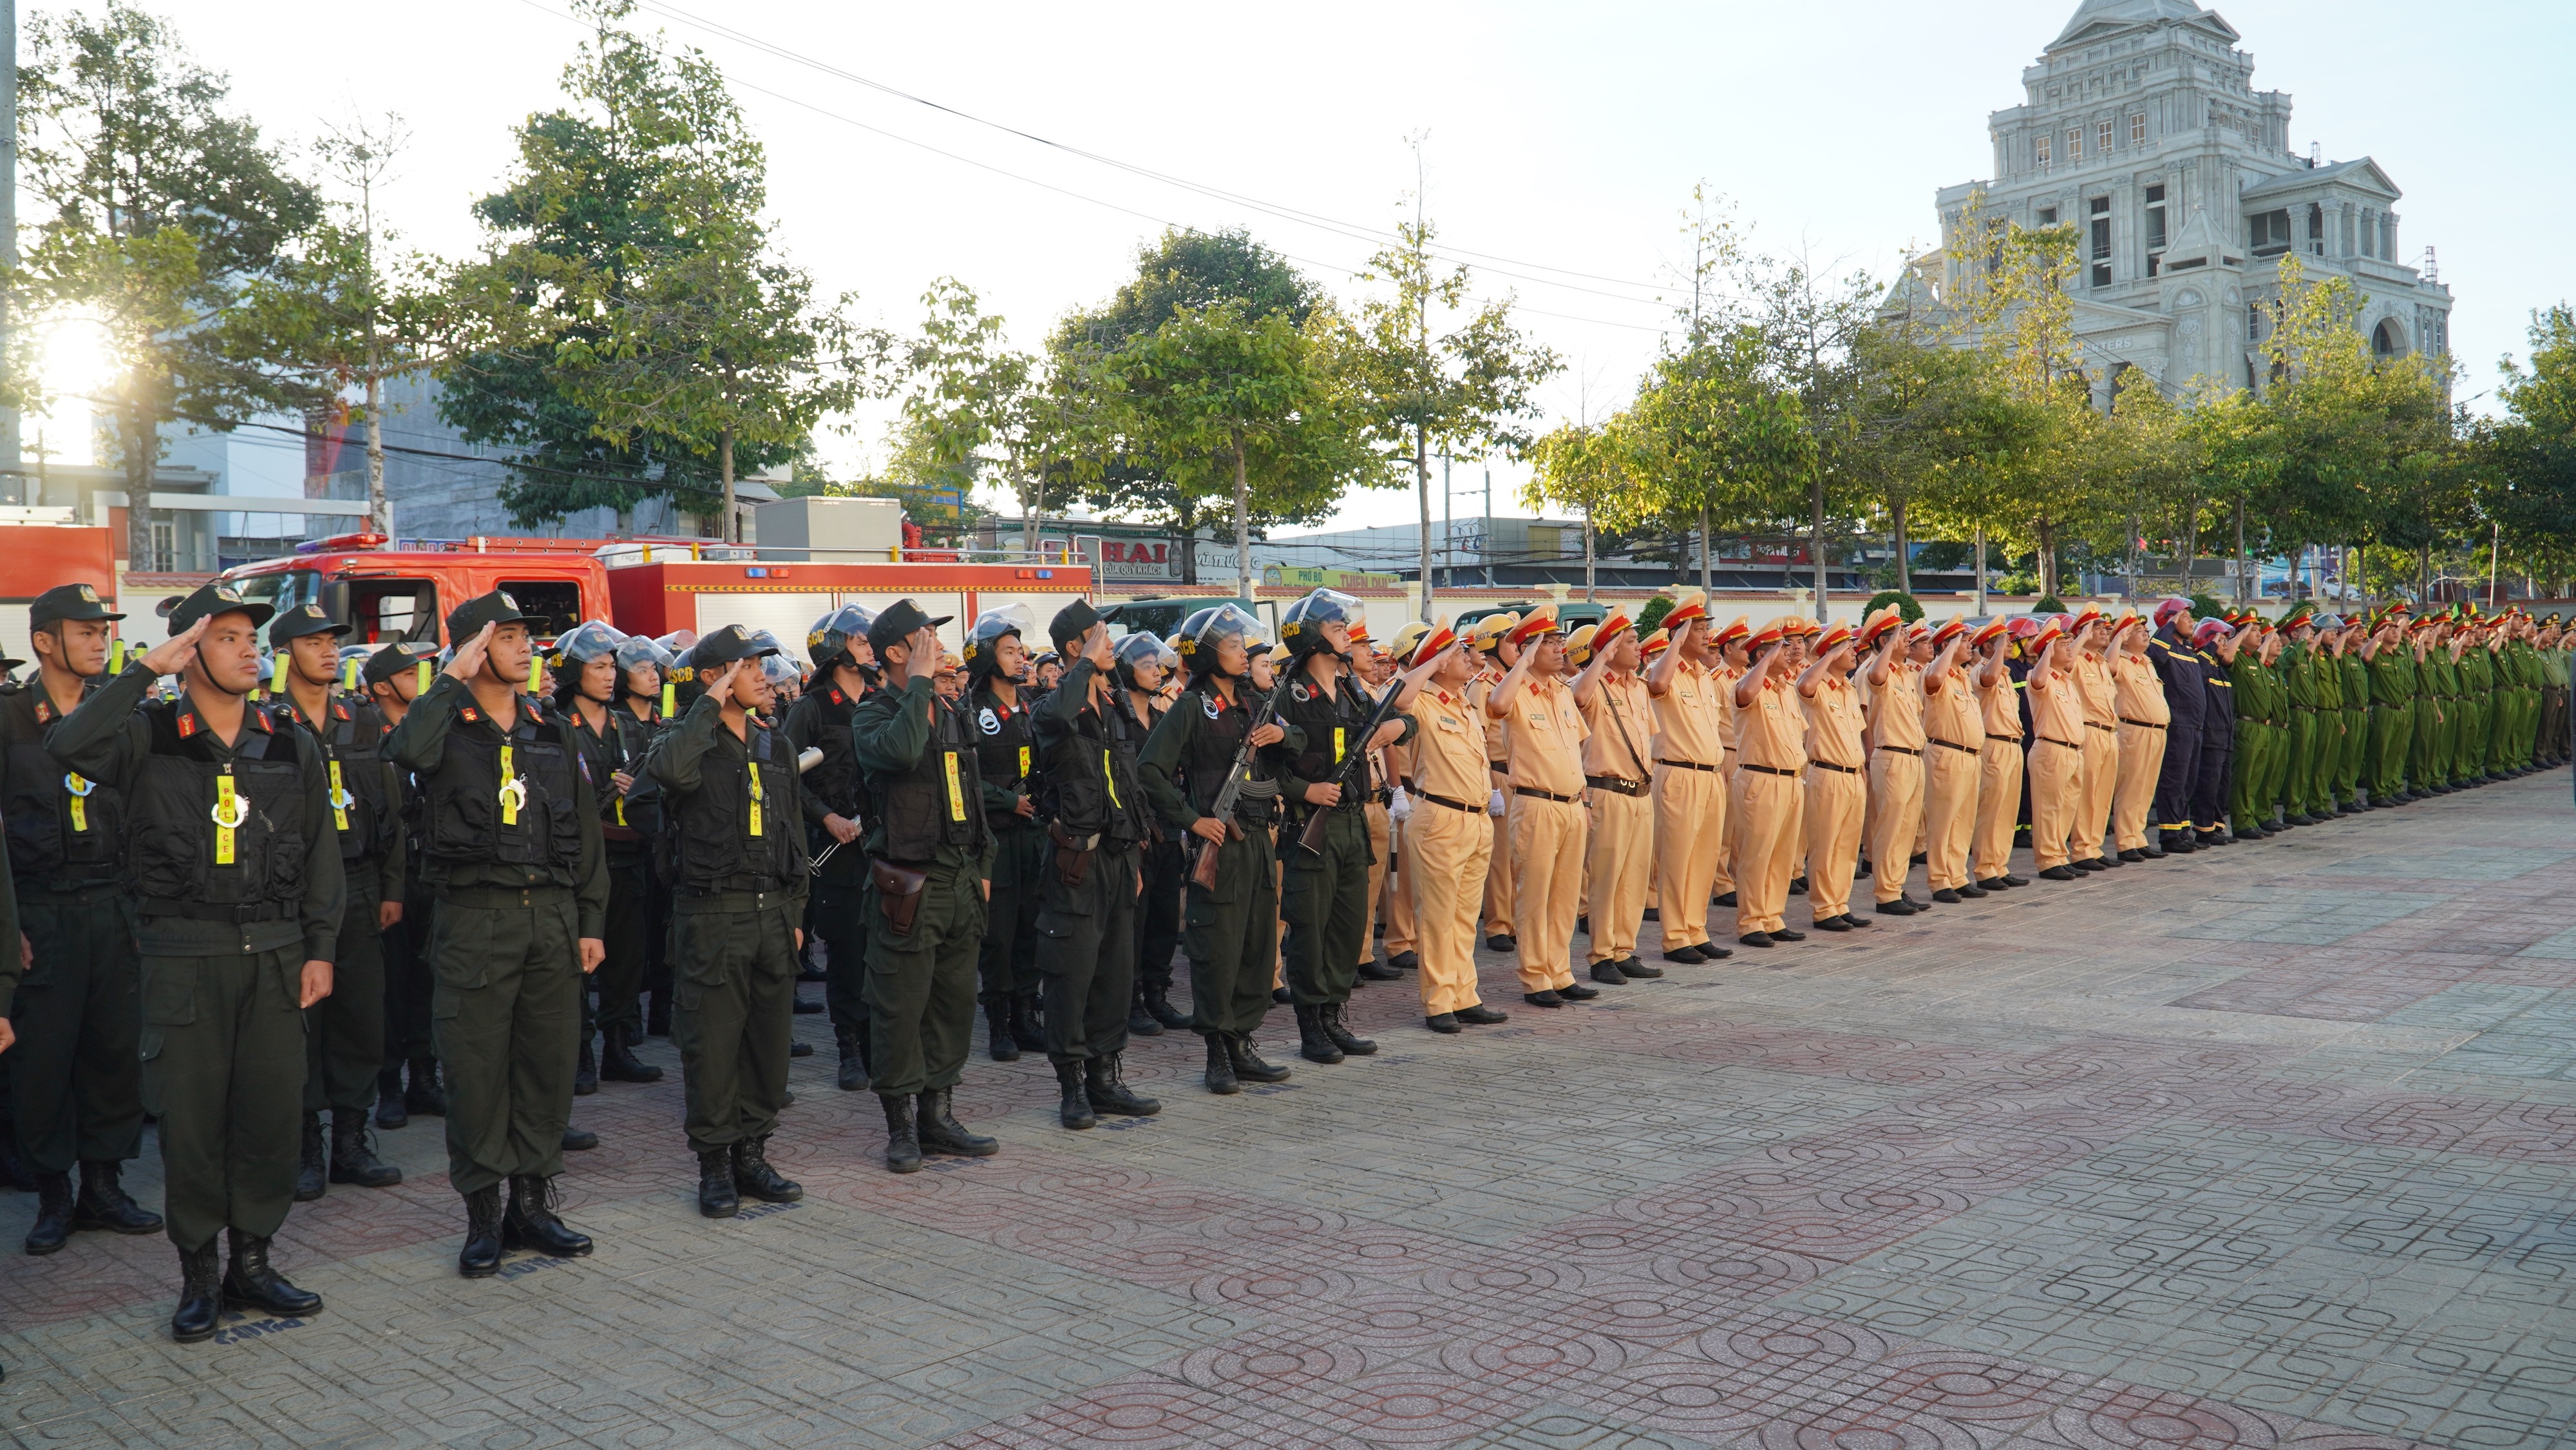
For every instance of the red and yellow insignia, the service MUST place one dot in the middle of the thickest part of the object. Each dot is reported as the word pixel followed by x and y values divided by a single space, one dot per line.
pixel 44 711
pixel 468 714
pixel 187 725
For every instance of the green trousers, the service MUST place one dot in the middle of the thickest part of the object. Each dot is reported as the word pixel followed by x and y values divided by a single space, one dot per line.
pixel 2392 729
pixel 1324 899
pixel 2424 745
pixel 2299 775
pixel 921 987
pixel 344 1033
pixel 1006 965
pixel 1087 956
pixel 2354 761
pixel 1231 936
pixel 222 1047
pixel 505 1015
pixel 75 1084
pixel 733 999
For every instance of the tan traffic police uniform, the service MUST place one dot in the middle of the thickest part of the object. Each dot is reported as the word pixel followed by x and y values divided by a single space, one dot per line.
pixel 2100 772
pixel 1690 805
pixel 1770 752
pixel 1999 767
pixel 1954 735
pixel 1835 794
pixel 2139 696
pixel 2056 762
pixel 1396 902
pixel 1543 742
pixel 1621 850
pixel 1449 844
pixel 1895 776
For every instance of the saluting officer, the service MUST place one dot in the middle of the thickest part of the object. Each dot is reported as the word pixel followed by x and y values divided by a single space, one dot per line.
pixel 1446 833
pixel 820 720
pixel 613 742
pixel 344 1033
pixel 2178 667
pixel 393 677
pixel 1230 930
pixel 1006 757
pixel 1324 898
pixel 731 789
pixel 1086 922
pixel 239 898
pixel 930 857
pixel 510 825
pixel 1145 665
pixel 75 1085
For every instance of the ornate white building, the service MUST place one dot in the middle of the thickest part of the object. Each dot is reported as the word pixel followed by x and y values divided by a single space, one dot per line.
pixel 2140 126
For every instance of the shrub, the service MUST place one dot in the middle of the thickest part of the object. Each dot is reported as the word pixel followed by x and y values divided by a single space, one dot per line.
pixel 1905 603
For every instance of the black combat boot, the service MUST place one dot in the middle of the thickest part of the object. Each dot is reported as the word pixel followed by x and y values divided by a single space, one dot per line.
pixel 353 1159
pixel 942 1133
pixel 1158 1000
pixel 753 1175
pixel 249 1283
pixel 617 1059
pixel 1220 1078
pixel 53 1226
pixel 1331 1015
pixel 104 1203
pixel 201 1294
pixel 425 1098
pixel 1028 1023
pixel 1374 971
pixel 1072 1106
pixel 717 1197
pixel 1104 1081
pixel 481 1256
pixel 313 1169
pixel 585 1069
pixel 998 1037
pixel 1313 1043
pixel 853 1076
pixel 903 1142
pixel 1248 1066
pixel 390 1112
pixel 530 1221
pixel 1140 1021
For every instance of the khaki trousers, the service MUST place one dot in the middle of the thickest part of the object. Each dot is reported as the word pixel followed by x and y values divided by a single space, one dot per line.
pixel 2096 779
pixel 1896 794
pixel 1835 804
pixel 1547 886
pixel 1498 874
pixel 1999 768
pixel 1621 860
pixel 1723 880
pixel 1381 828
pixel 2142 759
pixel 1766 815
pixel 1447 852
pixel 1949 815
pixel 1690 849
pixel 2056 783
pixel 1402 935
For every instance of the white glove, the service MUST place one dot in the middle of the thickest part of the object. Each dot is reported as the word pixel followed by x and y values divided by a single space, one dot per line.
pixel 1495 806
pixel 1400 806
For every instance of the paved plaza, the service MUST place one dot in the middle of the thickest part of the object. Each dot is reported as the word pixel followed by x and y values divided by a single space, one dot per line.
pixel 2273 1146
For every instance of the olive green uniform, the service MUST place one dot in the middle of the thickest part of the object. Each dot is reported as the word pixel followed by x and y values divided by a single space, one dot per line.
pixel 514 898
pixel 1324 895
pixel 2295 678
pixel 226 921
pixel 916 760
pixel 2392 719
pixel 1087 924
pixel 2354 761
pixel 345 1032
pixel 1230 931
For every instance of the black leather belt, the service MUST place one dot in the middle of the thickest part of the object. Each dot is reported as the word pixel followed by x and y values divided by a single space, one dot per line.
pixel 1954 745
pixel 1686 765
pixel 1902 750
pixel 202 911
pixel 1615 783
pixel 2053 740
pixel 1829 765
pixel 2141 724
pixel 2105 729
pixel 1763 769
pixel 1442 800
pixel 1546 795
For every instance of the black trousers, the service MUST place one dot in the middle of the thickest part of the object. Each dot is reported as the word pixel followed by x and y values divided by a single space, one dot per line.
pixel 637 912
pixel 344 1033
pixel 736 989
pixel 1007 964
pixel 2209 802
pixel 837 905
pixel 1087 956
pixel 75 1083
pixel 408 979
pixel 1158 913
pixel 2179 777
pixel 1232 936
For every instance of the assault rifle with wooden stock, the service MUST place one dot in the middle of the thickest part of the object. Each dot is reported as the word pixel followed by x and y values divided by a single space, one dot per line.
pixel 1311 838
pixel 1203 865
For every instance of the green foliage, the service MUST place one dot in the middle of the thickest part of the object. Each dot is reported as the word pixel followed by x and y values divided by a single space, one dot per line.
pixel 1652 616
pixel 2529 487
pixel 2048 604
pixel 1906 604
pixel 2206 607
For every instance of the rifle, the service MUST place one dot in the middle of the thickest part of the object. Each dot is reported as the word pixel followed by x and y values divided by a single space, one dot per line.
pixel 1311 839
pixel 1203 865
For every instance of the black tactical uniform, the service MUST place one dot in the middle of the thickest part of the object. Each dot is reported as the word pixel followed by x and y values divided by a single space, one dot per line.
pixel 628 822
pixel 739 857
pixel 1324 896
pixel 1096 820
pixel 237 885
pixel 1158 910
pixel 1007 965
pixel 930 854
pixel 820 720
pixel 406 944
pixel 1230 932
pixel 75 1084
pixel 510 829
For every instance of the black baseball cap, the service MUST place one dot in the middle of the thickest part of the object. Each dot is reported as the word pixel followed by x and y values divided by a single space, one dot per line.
pixel 300 621
pixel 395 658
pixel 68 601
pixel 1071 623
pixel 467 620
pixel 212 599
pixel 899 621
pixel 714 651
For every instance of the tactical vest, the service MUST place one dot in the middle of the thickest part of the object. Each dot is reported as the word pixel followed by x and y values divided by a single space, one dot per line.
pixel 361 817
pixel 1213 746
pixel 1006 753
pixel 938 802
pixel 466 818
pixel 1332 724
pixel 219 834
pixel 1090 784
pixel 61 825
pixel 834 780
pixel 738 830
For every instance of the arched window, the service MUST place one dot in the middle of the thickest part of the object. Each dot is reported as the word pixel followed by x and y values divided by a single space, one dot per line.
pixel 2386 340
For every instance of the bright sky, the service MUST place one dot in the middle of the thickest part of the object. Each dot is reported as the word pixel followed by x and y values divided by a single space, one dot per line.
pixel 1562 141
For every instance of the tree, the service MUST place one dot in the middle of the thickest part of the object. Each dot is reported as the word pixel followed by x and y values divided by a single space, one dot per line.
pixel 1463 390
pixel 1590 468
pixel 1809 327
pixel 1718 441
pixel 164 207
pixel 2531 486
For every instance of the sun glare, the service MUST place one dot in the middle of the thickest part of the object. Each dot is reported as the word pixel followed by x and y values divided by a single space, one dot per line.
pixel 79 365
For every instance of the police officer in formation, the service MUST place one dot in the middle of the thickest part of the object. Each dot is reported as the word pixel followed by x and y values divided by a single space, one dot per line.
pixel 596 702
pixel 820 721
pixel 1145 664
pixel 392 677
pixel 1006 758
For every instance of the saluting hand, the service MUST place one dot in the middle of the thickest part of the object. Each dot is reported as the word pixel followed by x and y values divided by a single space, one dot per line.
pixel 468 659
pixel 172 655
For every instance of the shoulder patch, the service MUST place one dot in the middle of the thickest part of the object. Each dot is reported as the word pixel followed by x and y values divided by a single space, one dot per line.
pixel 469 714
pixel 44 712
pixel 187 723
pixel 340 711
pixel 988 722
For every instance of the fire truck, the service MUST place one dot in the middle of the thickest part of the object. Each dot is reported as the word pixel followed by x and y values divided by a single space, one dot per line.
pixel 643 586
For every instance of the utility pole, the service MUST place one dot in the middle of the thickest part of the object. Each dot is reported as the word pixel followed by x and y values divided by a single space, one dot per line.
pixel 1488 549
pixel 1448 526
pixel 13 483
